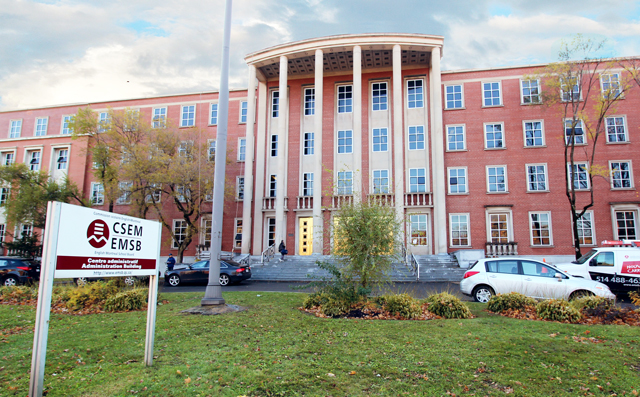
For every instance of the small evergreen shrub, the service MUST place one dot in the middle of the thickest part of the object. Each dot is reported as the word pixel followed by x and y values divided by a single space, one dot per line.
pixel 448 306
pixel 19 293
pixel 592 302
pixel 335 307
pixel 316 299
pixel 557 310
pixel 133 299
pixel 403 305
pixel 512 300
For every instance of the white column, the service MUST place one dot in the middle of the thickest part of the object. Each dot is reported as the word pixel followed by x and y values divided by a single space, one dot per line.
pixel 248 162
pixel 398 132
pixel 318 221
pixel 281 177
pixel 261 131
pixel 437 154
pixel 357 123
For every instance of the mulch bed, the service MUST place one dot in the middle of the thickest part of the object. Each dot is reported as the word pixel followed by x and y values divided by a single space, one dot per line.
pixel 372 313
pixel 614 316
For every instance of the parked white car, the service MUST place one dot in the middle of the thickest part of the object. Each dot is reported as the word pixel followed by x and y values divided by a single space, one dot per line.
pixel 536 279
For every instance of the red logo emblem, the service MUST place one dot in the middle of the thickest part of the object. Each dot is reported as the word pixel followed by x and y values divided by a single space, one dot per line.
pixel 98 233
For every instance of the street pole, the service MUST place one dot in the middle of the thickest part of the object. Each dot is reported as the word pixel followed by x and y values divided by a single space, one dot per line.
pixel 213 293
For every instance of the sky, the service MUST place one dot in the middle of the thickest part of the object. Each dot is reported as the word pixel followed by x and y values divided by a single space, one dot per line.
pixel 55 52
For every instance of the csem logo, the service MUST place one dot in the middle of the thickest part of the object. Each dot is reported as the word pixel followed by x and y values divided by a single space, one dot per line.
pixel 98 233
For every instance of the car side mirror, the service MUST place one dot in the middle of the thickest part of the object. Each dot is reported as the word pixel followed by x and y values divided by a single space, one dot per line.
pixel 558 276
pixel 593 262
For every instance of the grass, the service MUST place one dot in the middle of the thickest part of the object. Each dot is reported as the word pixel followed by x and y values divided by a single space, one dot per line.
pixel 272 349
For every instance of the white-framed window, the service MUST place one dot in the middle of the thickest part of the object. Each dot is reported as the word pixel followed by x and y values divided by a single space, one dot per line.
pixel 492 93
pixel 459 230
pixel 458 183
pixel 416 137
pixel 155 193
pixel 275 103
pixel 104 119
pixel 41 126
pixel 616 129
pixel 242 149
pixel 345 141
pixel 345 98
pixel 380 139
pixel 65 129
pixel 499 225
pixel 533 133
pixel 125 193
pixel 34 159
pixel 497 179
pixel 271 231
pixel 97 193
pixel 380 181
pixel 586 229
pixel 570 89
pixel 62 158
pixel 159 117
pixel 212 150
pixel 530 92
pixel 272 185
pixel 237 238
pixel 456 137
pixel 540 228
pixel 184 149
pixel 182 193
pixel 610 85
pixel 307 184
pixel 579 136
pixel 579 175
pixel 454 98
pixel 8 158
pixel 309 101
pixel 418 228
pixel 4 195
pixel 179 232
pixel 626 224
pixel 15 128
pixel 188 116
pixel 537 178
pixel 415 94
pixel 494 136
pixel 244 111
pixel 206 232
pixel 2 232
pixel 213 114
pixel 345 182
pixel 240 188
pixel 26 230
pixel 308 143
pixel 274 145
pixel 621 174
pixel 379 97
pixel 417 180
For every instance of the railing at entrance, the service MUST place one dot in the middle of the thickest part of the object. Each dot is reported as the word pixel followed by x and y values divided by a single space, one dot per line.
pixel 494 250
pixel 268 254
pixel 410 261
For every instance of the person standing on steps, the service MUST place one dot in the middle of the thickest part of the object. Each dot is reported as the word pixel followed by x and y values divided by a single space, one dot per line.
pixel 171 261
pixel 283 250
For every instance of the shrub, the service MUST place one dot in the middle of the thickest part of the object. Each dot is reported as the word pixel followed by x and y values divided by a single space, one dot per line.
pixel 448 306
pixel 557 310
pixel 133 299
pixel 402 305
pixel 19 293
pixel 316 299
pixel 635 297
pixel 90 294
pixel 335 307
pixel 592 302
pixel 512 300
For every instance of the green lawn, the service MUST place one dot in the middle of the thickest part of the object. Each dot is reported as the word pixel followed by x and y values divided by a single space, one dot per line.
pixel 273 349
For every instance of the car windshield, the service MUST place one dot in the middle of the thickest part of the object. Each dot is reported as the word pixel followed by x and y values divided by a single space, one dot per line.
pixel 584 258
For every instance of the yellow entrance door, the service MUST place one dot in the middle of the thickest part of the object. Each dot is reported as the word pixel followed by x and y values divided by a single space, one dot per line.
pixel 305 231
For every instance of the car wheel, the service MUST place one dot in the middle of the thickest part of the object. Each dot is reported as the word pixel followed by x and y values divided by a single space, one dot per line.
pixel 580 294
pixel 174 280
pixel 130 281
pixel 80 281
pixel 482 293
pixel 10 281
pixel 224 279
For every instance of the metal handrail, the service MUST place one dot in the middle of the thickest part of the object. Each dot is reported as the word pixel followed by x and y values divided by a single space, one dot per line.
pixel 410 261
pixel 268 254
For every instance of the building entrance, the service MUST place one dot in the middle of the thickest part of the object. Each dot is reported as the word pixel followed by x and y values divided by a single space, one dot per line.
pixel 305 239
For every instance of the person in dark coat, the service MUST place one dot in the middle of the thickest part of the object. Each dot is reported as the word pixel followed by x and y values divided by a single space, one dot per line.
pixel 282 249
pixel 170 262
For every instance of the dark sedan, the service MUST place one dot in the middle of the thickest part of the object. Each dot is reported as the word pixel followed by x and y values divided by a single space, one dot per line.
pixel 230 272
pixel 14 271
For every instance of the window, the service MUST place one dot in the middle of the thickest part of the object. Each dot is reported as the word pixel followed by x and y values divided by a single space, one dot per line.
pixel 415 94
pixel 206 232
pixel 416 137
pixel 182 194
pixel 244 109
pixel 453 97
pixel 8 158
pixel 26 230
pixel 626 225
pixel 308 143
pixel 530 91
pixel 275 104
pixel 213 114
pixel 179 232
pixel 103 121
pixel 188 117
pixel 496 179
pixel 380 181
pixel 379 96
pixel 458 180
pixel 586 230
pixel 242 149
pixel 610 84
pixel 579 175
pixel 493 136
pixel 570 89
pixel 576 132
pixel 184 149
pixel 307 184
pixel 97 193
pixel 4 195
pixel 491 94
pixel 271 231
pixel 272 186
pixel 533 135
pixel 345 183
pixel 125 193
pixel 499 227
pixel 455 137
pixel 620 174
pixel 34 160
pixel 418 229
pixel 237 239
pixel 66 130
pixel 15 128
pixel 616 131
pixel 345 99
pixel 41 126
pixel 380 139
pixel 159 119
pixel 309 101
pixel 155 193
pixel 536 177
pixel 240 188
pixel 2 232
pixel 212 150
pixel 459 226
pixel 274 145
pixel 540 226
pixel 417 180
pixel 62 158
pixel 345 141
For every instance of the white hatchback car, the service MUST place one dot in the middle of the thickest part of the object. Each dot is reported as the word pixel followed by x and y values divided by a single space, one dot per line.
pixel 536 279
